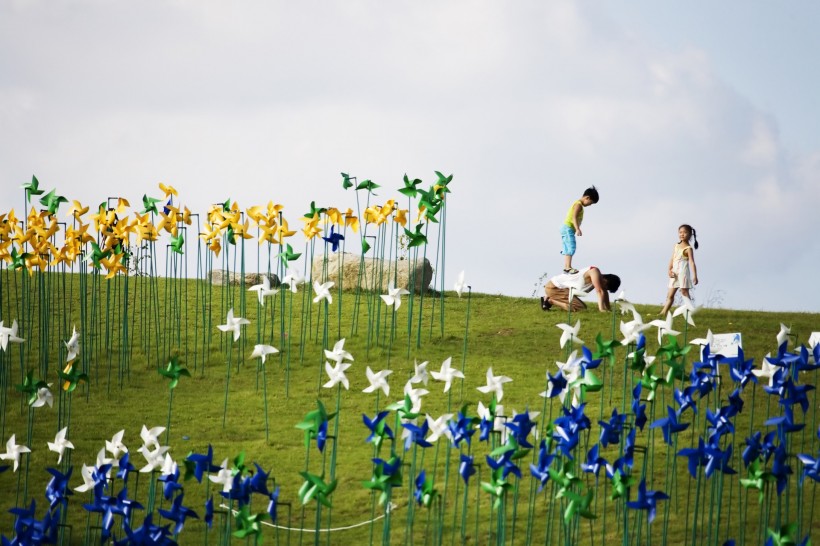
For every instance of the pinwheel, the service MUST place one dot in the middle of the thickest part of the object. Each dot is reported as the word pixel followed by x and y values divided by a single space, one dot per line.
pixel 413 396
pixel 30 530
pixel 347 181
pixel 154 457
pixel 441 184
pixel 570 333
pixel 288 255
pixel 717 459
pixel 323 291
pixel 202 463
pixel 177 243
pixel 57 490
pixel 742 370
pixel 686 310
pixel 540 471
pixel 495 384
pixel 461 429
pixel 315 487
pixel 780 468
pixel 796 394
pixel 669 425
pixel 664 327
pixel 293 279
pixel 415 434
pixel 44 397
pixel 621 483
pixel 578 505
pixel 708 340
pixel 497 487
pixel 696 457
pixel 460 284
pixel 232 324
pixel 377 380
pixel 263 290
pixel 32 188
pixel 169 475
pixel 521 426
pixel 631 331
pixel 647 500
pixel 611 430
pixel 447 374
pixel 638 409
pixel 420 373
pixel 563 475
pixel 72 376
pixel 150 204
pixel 223 477
pixel 626 307
pixel 9 335
pixel 337 375
pixel 785 423
pixel 60 444
pixel 758 478
pixel 150 437
pixel 556 385
pixel 409 188
pixel 386 475
pixel 594 462
pixel 627 460
pixel 52 201
pixel 13 452
pixel 784 536
pixel 415 238
pixel 811 467
pixel 178 513
pixel 333 239
pixel 314 422
pixel 248 525
pixel 147 533
pixel 466 467
pixel 378 428
pixel 755 448
pixel 491 420
pixel 174 370
pixel 393 296
pixel 605 349
pixel 783 334
pixel 674 359
pixel 262 351
pixel 273 503
pixel 115 445
pixel 424 492
pixel 30 388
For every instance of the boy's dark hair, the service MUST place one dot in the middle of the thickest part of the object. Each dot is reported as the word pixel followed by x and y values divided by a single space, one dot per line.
pixel 592 193
pixel 613 282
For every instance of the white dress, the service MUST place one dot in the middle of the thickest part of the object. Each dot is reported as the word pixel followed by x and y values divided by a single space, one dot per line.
pixel 680 266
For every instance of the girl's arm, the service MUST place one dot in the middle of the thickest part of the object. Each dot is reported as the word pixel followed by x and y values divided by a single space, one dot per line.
pixel 670 271
pixel 576 218
pixel 694 267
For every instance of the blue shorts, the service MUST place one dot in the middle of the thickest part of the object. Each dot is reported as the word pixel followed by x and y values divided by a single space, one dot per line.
pixel 568 240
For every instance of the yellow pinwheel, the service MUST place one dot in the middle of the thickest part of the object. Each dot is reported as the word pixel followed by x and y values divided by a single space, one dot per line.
pixel 352 221
pixel 168 190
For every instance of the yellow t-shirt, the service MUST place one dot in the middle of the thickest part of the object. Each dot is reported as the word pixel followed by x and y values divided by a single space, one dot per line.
pixel 568 219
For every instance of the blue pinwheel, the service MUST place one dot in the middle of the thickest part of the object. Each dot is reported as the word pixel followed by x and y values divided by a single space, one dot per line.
pixel 416 435
pixel 424 492
pixel 647 500
pixel 178 513
pixel 785 423
pixel 147 533
pixel 717 459
pixel 594 462
pixel 30 530
pixel 627 460
pixel 334 239
pixel 202 463
pixel 521 426
pixel 505 455
pixel 796 394
pixel 273 504
pixel 685 400
pixel 125 467
pixel 756 448
pixel 540 471
pixel 811 467
pixel 735 402
pixel 259 481
pixel 209 512
pixel 719 423
pixel 669 425
pixel 638 409
pixel 556 384
pixel 378 428
pixel 696 456
pixel 740 369
pixel 611 430
pixel 780 468
pixel 466 467
pixel 57 490
pixel 461 429
pixel 171 481
pixel 386 475
pixel 586 361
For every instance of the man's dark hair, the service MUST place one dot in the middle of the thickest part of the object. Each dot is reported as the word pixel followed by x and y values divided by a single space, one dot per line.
pixel 613 282
pixel 592 193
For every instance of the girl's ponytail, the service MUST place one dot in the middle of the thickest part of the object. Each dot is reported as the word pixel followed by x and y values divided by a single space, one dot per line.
pixel 695 237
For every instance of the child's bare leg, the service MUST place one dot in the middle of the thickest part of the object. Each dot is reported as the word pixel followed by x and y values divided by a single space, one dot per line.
pixel 670 297
pixel 567 261
pixel 684 292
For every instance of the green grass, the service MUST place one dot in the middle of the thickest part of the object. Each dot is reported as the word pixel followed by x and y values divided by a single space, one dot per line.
pixel 131 327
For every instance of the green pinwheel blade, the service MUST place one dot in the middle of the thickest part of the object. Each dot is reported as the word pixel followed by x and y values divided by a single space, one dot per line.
pixel 32 188
pixel 346 182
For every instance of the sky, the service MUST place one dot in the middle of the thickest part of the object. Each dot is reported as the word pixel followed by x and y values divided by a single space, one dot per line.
pixel 696 113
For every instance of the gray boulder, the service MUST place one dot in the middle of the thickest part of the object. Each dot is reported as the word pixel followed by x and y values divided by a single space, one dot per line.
pixel 221 277
pixel 377 273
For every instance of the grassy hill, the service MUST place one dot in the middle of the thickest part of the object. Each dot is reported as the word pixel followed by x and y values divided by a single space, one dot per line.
pixel 129 328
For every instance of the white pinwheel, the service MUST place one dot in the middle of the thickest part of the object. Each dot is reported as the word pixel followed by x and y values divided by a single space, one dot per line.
pixel 687 309
pixel 415 395
pixel 323 291
pixel 783 334
pixel 438 427
pixel 169 466
pixel 337 375
pixel 88 479
pixel 393 296
pixel 150 437
pixel 495 384
pixel 223 477
pixel 44 397
pixel 60 444
pixel 378 380
pixel 664 327
pixel 9 335
pixel 625 306
pixel 154 458
pixel 498 421
pixel 447 374
pixel 262 351
pixel 115 445
pixel 570 333
pixel 72 345
pixel 293 279
pixel 338 353
pixel 701 341
pixel 14 451
pixel 263 289
pixel 420 373
pixel 767 370
pixel 631 331
pixel 232 324
pixel 459 287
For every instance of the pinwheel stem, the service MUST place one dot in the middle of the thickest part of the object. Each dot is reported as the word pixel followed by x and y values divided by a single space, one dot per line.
pixel 464 350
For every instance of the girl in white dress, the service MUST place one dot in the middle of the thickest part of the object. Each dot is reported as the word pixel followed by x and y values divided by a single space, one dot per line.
pixel 683 273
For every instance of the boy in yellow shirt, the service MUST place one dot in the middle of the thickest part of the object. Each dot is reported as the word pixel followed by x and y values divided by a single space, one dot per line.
pixel 572 226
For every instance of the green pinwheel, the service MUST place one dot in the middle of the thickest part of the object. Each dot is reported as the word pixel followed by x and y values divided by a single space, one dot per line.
pixel 52 201
pixel 177 242
pixel 758 478
pixel 650 381
pixel 288 255
pixel 346 181
pixel 674 354
pixel 606 349
pixel 404 408
pixel 589 382
pixel 30 387
pixel 174 371
pixel 71 377
pixel 497 487
pixel 410 188
pixel 386 475
pixel 314 423
pixel 150 204
pixel 415 238
pixel 248 525
pixel 314 210
pixel 578 505
pixel 442 183
pixel 783 537
pixel 431 203
pixel 365 245
pixel 425 491
pixel 368 185
pixel 620 485
pixel 32 188
pixel 18 261
pixel 97 255
pixel 315 487
pixel 563 475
